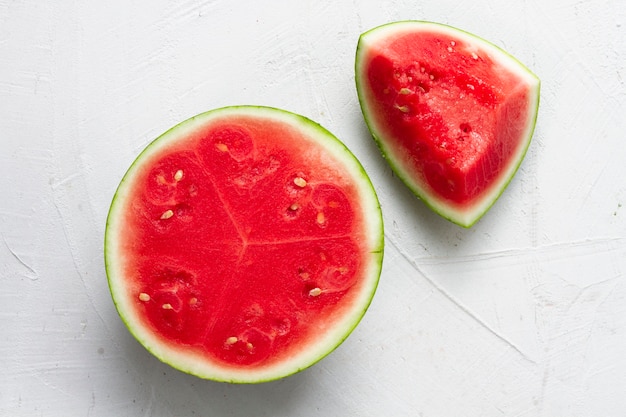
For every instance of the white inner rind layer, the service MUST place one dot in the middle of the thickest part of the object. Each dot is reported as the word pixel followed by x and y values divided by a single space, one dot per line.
pixel 467 215
pixel 199 365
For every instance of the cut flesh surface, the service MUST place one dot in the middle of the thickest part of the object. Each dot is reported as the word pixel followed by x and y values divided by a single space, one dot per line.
pixel 452 113
pixel 244 244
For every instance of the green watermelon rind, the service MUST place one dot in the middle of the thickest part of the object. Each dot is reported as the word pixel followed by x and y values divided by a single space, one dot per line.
pixel 464 218
pixel 190 364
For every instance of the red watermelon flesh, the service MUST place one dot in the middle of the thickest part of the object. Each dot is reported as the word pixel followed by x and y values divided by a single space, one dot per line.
pixel 453 114
pixel 244 245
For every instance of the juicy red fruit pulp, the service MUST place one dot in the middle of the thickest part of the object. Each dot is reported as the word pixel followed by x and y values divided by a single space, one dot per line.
pixel 242 246
pixel 451 109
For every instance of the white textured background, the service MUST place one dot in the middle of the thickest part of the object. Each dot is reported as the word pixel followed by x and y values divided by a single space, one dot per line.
pixel 523 315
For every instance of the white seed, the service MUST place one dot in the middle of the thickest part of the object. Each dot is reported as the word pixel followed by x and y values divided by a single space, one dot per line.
pixel 178 175
pixel 471 87
pixel 167 215
pixel 449 49
pixel 452 43
pixel 474 55
pixel 144 297
pixel 167 306
pixel 300 182
pixel 403 109
pixel 193 301
pixel 294 207
pixel 405 91
pixel 232 340
pixel 320 218
pixel 432 77
pixel 221 147
pixel 250 346
pixel 315 292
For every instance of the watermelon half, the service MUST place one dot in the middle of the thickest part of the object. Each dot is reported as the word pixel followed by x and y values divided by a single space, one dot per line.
pixel 452 113
pixel 244 244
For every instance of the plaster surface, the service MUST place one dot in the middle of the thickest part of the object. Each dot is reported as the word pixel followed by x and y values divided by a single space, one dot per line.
pixel 522 315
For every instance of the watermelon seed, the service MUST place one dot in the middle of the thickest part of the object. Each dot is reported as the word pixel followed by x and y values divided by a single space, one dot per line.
pixel 432 77
pixel 193 301
pixel 250 346
pixel 403 109
pixel 232 340
pixel 321 219
pixel 470 86
pixel 292 211
pixel 405 91
pixel 221 147
pixel 474 55
pixel 315 292
pixel 167 215
pixel 300 182
pixel 178 175
pixel 449 49
pixel 167 306
pixel 144 297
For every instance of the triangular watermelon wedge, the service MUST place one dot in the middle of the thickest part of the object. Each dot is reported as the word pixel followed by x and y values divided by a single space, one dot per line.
pixel 452 113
